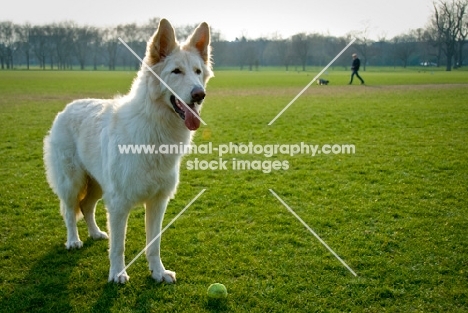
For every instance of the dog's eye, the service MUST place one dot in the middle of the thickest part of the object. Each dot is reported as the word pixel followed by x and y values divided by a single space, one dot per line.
pixel 198 71
pixel 177 71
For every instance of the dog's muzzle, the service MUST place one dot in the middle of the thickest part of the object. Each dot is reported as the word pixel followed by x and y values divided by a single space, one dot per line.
pixel 190 116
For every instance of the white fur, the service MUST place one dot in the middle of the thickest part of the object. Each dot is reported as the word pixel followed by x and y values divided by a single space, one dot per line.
pixel 82 158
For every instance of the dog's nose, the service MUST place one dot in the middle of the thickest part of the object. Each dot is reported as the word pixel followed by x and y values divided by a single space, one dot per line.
pixel 198 94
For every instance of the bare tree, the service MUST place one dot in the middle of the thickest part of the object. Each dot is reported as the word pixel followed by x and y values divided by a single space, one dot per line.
pixel 404 47
pixel 301 46
pixel 250 54
pixel 82 43
pixel 96 46
pixel 61 36
pixel 240 50
pixel 322 47
pixel 280 52
pixel 184 32
pixel 333 46
pixel 448 19
pixel 39 42
pixel 363 43
pixel 148 29
pixel 111 43
pixel 285 52
pixel 215 35
pixel 434 42
pixel 131 35
pixel 7 44
pixel 24 41
pixel 462 35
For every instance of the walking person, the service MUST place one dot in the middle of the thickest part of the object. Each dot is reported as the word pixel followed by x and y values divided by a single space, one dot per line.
pixel 355 68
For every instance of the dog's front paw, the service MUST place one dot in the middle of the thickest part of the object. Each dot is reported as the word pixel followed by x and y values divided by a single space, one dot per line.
pixel 74 244
pixel 167 276
pixel 100 235
pixel 119 279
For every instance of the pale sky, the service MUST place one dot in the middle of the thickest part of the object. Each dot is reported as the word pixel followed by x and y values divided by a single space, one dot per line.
pixel 235 18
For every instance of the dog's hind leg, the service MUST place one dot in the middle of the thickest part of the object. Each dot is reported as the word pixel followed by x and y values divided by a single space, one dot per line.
pixel 70 209
pixel 153 218
pixel 69 213
pixel 66 177
pixel 71 187
pixel 88 208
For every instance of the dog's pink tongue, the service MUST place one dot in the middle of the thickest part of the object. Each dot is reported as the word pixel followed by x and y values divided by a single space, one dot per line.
pixel 191 120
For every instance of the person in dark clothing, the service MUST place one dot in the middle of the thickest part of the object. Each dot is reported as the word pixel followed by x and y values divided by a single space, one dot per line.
pixel 355 68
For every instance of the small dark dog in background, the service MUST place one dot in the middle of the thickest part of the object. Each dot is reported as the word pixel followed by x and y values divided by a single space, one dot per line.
pixel 322 81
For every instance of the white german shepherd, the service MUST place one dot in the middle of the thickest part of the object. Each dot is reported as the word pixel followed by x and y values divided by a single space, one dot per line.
pixel 82 158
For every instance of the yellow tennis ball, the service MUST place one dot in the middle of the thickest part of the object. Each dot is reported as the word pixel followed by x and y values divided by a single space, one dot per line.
pixel 217 291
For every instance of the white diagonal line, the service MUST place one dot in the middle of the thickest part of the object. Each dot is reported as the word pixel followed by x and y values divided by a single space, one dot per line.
pixel 161 80
pixel 313 233
pixel 311 82
pixel 162 231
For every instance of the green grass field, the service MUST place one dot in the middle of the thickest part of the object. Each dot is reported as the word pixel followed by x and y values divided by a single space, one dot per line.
pixel 395 210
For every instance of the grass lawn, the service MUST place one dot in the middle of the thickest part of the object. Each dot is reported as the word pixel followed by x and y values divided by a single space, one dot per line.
pixel 394 211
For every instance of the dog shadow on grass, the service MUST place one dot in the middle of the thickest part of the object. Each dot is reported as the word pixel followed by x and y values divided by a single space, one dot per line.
pixel 107 298
pixel 48 286
pixel 54 283
pixel 150 296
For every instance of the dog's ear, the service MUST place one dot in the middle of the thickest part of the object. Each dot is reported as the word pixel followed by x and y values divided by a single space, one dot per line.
pixel 200 40
pixel 162 43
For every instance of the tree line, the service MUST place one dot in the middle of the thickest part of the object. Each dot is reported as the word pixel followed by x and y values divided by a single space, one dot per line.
pixel 67 45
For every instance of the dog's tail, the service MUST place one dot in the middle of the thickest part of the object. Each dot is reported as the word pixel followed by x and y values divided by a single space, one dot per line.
pixel 65 178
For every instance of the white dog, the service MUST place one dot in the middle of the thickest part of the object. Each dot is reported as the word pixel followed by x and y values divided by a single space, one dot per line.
pixel 82 158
